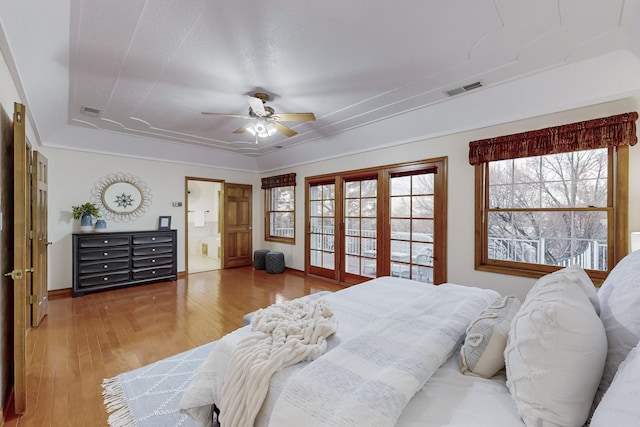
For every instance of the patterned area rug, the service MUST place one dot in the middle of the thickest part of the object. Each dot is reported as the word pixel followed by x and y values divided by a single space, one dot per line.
pixel 149 396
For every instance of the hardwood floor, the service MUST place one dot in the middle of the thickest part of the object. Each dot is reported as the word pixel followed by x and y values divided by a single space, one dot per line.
pixel 84 340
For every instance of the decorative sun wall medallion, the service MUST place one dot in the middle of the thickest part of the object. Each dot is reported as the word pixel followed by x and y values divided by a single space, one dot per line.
pixel 121 197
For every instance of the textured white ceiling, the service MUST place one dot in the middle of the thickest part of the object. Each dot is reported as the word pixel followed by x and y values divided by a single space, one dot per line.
pixel 151 67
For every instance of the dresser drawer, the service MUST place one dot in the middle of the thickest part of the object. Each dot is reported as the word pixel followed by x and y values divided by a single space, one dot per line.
pixel 111 260
pixel 103 267
pixel 103 254
pixel 152 250
pixel 149 273
pixel 99 242
pixel 104 279
pixel 153 238
pixel 152 261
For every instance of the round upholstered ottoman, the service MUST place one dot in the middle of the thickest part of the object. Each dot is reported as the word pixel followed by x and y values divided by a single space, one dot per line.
pixel 259 259
pixel 274 262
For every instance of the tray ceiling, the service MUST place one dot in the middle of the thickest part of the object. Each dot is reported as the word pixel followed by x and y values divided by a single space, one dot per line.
pixel 149 68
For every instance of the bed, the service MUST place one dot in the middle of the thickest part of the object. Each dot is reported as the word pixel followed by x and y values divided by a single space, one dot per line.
pixel 393 351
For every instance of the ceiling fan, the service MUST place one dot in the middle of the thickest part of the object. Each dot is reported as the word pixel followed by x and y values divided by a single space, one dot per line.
pixel 267 122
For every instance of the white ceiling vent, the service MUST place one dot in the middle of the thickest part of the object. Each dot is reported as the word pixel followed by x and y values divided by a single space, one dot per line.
pixel 88 111
pixel 463 89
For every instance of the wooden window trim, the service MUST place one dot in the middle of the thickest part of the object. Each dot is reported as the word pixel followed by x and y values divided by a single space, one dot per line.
pixel 267 217
pixel 618 227
pixel 382 173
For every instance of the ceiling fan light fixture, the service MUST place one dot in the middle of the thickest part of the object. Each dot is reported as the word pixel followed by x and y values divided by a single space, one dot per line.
pixel 262 130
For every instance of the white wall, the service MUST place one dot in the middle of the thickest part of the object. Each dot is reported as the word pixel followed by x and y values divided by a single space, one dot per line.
pixel 73 174
pixel 460 186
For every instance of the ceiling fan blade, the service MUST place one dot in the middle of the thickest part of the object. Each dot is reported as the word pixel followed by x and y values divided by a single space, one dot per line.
pixel 243 128
pixel 284 129
pixel 257 106
pixel 295 117
pixel 226 115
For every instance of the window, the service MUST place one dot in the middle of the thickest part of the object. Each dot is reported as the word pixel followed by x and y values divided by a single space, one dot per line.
pixel 389 220
pixel 553 198
pixel 361 225
pixel 280 205
pixel 412 201
pixel 322 226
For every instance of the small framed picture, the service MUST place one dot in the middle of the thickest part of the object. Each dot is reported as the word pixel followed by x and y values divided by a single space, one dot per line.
pixel 164 223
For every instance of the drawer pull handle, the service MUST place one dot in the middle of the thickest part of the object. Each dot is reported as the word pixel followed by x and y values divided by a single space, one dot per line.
pixel 106 241
pixel 153 272
pixel 153 238
pixel 106 253
pixel 153 260
pixel 105 278
pixel 153 250
pixel 105 266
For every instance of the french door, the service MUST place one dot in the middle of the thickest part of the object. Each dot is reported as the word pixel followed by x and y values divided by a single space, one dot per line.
pixel 370 223
pixel 360 219
pixel 321 236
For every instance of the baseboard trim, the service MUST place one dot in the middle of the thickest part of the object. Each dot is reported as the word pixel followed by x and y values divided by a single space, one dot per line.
pixel 59 293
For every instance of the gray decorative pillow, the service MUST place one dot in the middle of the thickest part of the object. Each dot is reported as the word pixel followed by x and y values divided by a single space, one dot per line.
pixel 482 353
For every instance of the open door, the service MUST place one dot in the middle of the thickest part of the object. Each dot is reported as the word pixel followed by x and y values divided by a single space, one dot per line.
pixel 40 242
pixel 21 253
pixel 237 234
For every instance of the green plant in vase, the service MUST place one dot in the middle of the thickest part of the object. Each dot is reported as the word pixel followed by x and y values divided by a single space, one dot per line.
pixel 85 214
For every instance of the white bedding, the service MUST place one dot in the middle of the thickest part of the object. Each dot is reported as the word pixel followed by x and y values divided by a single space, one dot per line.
pixel 455 400
pixel 358 308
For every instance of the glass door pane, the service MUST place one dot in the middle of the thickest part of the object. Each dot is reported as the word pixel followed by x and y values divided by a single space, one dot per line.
pixel 360 219
pixel 412 220
pixel 322 227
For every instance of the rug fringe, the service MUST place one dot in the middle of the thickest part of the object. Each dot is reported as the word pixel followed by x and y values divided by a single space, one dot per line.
pixel 116 402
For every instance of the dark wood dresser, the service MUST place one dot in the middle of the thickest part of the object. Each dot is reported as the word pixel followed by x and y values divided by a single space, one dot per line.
pixel 111 260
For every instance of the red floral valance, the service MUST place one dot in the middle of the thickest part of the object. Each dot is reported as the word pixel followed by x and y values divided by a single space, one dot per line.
pixel 588 135
pixel 279 181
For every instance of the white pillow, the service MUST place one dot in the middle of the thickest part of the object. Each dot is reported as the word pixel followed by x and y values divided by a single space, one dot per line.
pixel 619 406
pixel 482 353
pixel 619 298
pixel 555 352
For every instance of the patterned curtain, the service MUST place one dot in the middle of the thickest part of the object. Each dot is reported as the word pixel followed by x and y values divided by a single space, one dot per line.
pixel 279 181
pixel 588 135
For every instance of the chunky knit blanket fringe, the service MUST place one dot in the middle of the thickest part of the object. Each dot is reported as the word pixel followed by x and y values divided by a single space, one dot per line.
pixel 283 334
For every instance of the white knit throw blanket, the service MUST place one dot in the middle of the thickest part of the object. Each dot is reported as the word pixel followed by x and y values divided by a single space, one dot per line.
pixel 283 334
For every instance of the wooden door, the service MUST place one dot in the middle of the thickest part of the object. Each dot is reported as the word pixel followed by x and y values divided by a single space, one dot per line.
pixel 237 234
pixel 21 253
pixel 320 240
pixel 40 242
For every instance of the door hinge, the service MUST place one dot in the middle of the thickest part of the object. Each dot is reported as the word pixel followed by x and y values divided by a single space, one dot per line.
pixel 30 299
pixel 30 169
pixel 31 234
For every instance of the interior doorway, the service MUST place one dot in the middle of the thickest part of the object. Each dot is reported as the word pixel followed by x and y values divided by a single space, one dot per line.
pixel 204 228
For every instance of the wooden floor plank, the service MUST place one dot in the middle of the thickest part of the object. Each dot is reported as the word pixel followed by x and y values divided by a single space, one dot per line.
pixel 84 340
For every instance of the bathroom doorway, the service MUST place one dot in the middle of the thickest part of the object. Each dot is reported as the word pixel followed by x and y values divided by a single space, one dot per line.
pixel 204 237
